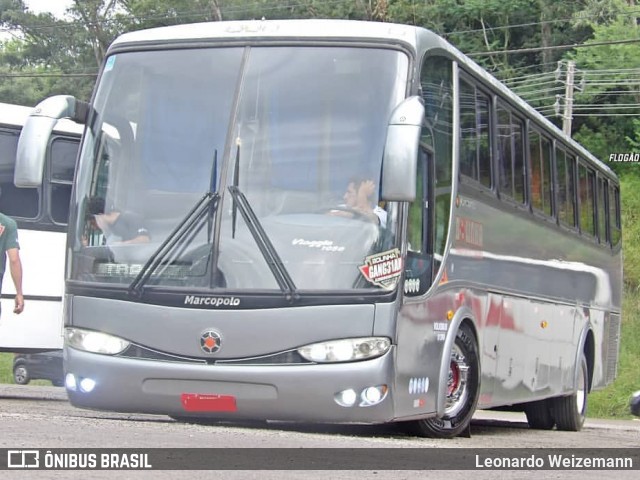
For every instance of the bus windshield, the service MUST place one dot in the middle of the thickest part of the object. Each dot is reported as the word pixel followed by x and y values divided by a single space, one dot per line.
pixel 290 140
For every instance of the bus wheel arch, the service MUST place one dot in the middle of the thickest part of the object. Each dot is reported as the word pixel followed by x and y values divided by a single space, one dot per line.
pixel 570 411
pixel 459 387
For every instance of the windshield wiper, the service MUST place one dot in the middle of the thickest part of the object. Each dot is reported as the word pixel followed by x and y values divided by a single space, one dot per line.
pixel 205 207
pixel 270 254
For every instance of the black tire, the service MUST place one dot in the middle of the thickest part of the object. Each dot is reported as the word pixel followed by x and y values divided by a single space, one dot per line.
pixel 21 374
pixel 570 411
pixel 634 404
pixel 539 415
pixel 463 390
pixel 58 383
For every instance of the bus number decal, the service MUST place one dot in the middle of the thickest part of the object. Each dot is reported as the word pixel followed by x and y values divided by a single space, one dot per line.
pixel 383 269
pixel 469 232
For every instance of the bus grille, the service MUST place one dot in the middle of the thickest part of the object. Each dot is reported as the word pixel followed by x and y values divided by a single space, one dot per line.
pixel 291 357
pixel 613 348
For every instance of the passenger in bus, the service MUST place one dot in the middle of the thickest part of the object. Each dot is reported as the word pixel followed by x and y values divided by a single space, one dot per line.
pixel 10 248
pixel 359 200
pixel 116 226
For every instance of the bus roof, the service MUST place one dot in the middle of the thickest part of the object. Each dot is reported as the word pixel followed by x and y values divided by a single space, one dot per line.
pixel 16 115
pixel 274 29
pixel 305 29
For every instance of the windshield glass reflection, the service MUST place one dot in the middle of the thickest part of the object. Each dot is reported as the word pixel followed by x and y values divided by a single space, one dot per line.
pixel 307 133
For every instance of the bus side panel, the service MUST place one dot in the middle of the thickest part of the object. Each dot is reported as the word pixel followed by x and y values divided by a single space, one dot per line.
pixel 546 288
pixel 39 326
pixel 422 327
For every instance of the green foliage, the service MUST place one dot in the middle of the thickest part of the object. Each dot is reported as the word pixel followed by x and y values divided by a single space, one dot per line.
pixel 6 366
pixel 606 126
pixel 634 142
pixel 6 371
pixel 630 200
pixel 613 401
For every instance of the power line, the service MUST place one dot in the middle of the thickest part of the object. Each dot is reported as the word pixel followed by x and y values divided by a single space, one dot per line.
pixel 614 106
pixel 533 24
pixel 528 86
pixel 557 47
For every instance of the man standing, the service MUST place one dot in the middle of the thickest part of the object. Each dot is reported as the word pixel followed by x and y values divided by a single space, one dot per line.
pixel 9 248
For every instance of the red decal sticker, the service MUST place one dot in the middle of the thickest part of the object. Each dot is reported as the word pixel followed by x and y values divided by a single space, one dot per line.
pixel 196 402
pixel 383 269
pixel 469 232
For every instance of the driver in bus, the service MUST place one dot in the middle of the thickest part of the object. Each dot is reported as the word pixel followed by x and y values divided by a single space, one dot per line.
pixel 359 201
pixel 116 226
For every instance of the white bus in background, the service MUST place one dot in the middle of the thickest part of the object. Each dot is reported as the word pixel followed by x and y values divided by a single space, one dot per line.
pixel 41 214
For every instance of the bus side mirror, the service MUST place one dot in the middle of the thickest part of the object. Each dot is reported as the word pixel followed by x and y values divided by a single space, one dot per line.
pixel 35 134
pixel 400 159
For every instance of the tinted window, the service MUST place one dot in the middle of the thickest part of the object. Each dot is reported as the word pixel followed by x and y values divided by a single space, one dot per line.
pixel 511 172
pixel 15 202
pixel 63 162
pixel 602 210
pixel 586 187
pixel 565 165
pixel 475 151
pixel 614 215
pixel 540 152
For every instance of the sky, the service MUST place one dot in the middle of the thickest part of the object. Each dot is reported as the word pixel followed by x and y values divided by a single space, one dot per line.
pixel 56 7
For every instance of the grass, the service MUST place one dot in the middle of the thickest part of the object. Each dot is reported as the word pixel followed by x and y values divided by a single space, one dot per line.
pixel 6 361
pixel 613 401
pixel 6 371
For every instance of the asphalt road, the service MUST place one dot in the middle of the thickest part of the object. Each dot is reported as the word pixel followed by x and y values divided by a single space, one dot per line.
pixel 37 417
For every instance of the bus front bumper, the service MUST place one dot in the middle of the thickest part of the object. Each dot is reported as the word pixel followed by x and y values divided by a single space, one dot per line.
pixel 354 392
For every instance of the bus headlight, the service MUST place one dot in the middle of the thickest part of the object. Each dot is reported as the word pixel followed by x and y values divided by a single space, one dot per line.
pixel 94 342
pixel 345 350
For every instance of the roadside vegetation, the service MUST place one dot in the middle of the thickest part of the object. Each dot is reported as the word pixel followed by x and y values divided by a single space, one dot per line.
pixel 6 371
pixel 613 402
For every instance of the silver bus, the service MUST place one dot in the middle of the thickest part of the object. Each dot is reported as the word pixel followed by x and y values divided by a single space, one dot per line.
pixel 41 213
pixel 343 222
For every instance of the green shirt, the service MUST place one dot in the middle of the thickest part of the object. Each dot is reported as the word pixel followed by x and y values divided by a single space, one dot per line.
pixel 8 240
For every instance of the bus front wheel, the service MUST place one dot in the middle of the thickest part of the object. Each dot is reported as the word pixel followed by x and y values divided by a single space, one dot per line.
pixel 462 390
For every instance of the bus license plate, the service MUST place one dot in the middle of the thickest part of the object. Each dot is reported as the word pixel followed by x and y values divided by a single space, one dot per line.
pixel 196 402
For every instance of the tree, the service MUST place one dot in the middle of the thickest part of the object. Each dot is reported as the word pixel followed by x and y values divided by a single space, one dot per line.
pixel 611 89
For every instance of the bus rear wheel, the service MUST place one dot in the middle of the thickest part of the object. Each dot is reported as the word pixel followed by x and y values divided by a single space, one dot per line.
pixel 462 390
pixel 569 412
pixel 539 415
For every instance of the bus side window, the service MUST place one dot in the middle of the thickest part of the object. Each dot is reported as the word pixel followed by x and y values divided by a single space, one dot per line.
pixel 15 202
pixel 63 163
pixel 419 245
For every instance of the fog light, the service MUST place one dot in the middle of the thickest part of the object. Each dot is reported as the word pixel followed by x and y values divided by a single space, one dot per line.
pixel 87 385
pixel 346 398
pixel 373 395
pixel 70 382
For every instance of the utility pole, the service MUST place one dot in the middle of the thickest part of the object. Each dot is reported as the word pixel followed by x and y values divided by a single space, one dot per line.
pixel 568 98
